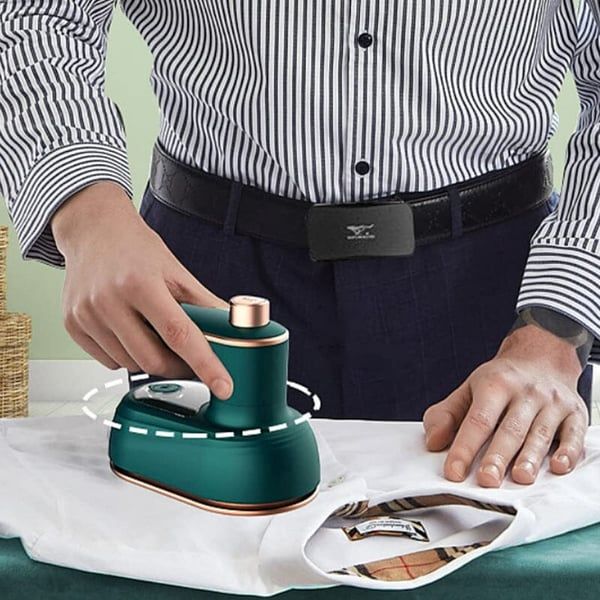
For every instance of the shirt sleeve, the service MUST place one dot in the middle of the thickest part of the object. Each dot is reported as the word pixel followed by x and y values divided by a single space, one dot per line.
pixel 563 269
pixel 58 130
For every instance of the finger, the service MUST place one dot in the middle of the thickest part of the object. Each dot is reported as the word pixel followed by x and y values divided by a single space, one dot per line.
pixel 441 420
pixel 537 444
pixel 93 326
pixel 186 340
pixel 489 400
pixel 146 347
pixel 186 288
pixel 571 437
pixel 109 342
pixel 507 441
pixel 89 345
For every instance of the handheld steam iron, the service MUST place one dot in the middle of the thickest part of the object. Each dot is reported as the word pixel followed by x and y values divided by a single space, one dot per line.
pixel 250 454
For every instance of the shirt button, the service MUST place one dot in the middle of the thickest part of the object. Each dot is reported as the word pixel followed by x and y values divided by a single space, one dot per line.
pixel 365 40
pixel 362 167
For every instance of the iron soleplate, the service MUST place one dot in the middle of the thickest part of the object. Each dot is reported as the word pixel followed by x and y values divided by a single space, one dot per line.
pixel 226 508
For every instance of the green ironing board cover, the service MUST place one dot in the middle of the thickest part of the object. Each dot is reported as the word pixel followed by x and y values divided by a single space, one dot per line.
pixel 566 566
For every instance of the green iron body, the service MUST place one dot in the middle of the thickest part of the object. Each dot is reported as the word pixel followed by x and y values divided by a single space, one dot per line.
pixel 250 450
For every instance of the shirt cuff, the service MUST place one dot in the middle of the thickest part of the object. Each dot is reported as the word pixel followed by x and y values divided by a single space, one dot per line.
pixel 54 179
pixel 565 279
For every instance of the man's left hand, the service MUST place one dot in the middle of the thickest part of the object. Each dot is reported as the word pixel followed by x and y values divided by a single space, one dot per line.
pixel 522 399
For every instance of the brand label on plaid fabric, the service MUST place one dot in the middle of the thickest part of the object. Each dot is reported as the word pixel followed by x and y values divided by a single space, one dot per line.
pixel 391 525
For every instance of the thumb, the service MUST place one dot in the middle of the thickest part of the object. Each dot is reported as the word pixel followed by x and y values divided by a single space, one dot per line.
pixel 442 420
pixel 186 288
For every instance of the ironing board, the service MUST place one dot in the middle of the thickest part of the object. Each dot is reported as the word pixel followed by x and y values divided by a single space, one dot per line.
pixel 566 566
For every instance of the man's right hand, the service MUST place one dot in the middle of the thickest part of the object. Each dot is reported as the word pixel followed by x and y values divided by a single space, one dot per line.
pixel 120 277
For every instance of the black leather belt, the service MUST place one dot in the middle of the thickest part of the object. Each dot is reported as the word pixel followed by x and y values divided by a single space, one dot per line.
pixel 386 226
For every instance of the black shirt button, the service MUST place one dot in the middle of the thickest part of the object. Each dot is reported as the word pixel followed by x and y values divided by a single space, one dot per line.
pixel 365 40
pixel 362 167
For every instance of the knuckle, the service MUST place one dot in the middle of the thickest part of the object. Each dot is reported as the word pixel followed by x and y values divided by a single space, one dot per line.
pixel 572 430
pixel 176 332
pixel 528 401
pixel 556 398
pixel 99 299
pixel 575 432
pixel 70 321
pixel 496 381
pixel 543 432
pixel 481 419
pixel 153 364
pixel 495 367
pixel 533 389
pixel 513 426
pixel 497 378
pixel 130 282
pixel 81 310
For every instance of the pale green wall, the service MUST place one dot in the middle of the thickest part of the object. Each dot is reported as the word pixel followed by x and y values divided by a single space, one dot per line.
pixel 36 289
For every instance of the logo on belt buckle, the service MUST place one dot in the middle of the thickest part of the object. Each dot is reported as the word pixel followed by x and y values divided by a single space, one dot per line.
pixel 356 230
pixel 361 232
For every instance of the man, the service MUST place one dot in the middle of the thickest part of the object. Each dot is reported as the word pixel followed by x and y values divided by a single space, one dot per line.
pixel 375 168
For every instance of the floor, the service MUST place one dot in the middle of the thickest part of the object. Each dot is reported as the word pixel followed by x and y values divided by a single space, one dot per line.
pixel 111 385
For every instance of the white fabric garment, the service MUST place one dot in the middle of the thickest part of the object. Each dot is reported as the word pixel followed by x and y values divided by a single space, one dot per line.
pixel 60 497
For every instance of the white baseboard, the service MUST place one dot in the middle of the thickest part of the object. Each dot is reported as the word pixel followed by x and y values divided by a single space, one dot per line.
pixel 59 381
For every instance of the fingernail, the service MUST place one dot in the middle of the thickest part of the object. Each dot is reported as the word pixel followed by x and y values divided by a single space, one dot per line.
pixel 491 470
pixel 458 466
pixel 527 466
pixel 563 459
pixel 221 388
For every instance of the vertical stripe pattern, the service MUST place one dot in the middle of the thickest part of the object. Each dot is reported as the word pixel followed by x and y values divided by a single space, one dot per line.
pixel 282 96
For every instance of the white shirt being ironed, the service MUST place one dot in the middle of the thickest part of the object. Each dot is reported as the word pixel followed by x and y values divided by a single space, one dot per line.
pixel 61 498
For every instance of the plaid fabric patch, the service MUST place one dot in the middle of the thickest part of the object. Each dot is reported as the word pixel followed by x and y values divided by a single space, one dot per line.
pixel 362 508
pixel 416 564
pixel 410 566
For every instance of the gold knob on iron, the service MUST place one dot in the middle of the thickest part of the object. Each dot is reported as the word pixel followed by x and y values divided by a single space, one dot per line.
pixel 248 311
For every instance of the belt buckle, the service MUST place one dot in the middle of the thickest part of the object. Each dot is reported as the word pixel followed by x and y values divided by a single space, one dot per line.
pixel 360 230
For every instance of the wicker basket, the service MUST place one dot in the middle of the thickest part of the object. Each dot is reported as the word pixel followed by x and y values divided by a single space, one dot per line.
pixel 15 335
pixel 3 246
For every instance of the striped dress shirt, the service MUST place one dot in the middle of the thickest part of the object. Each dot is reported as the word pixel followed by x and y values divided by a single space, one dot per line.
pixel 321 100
